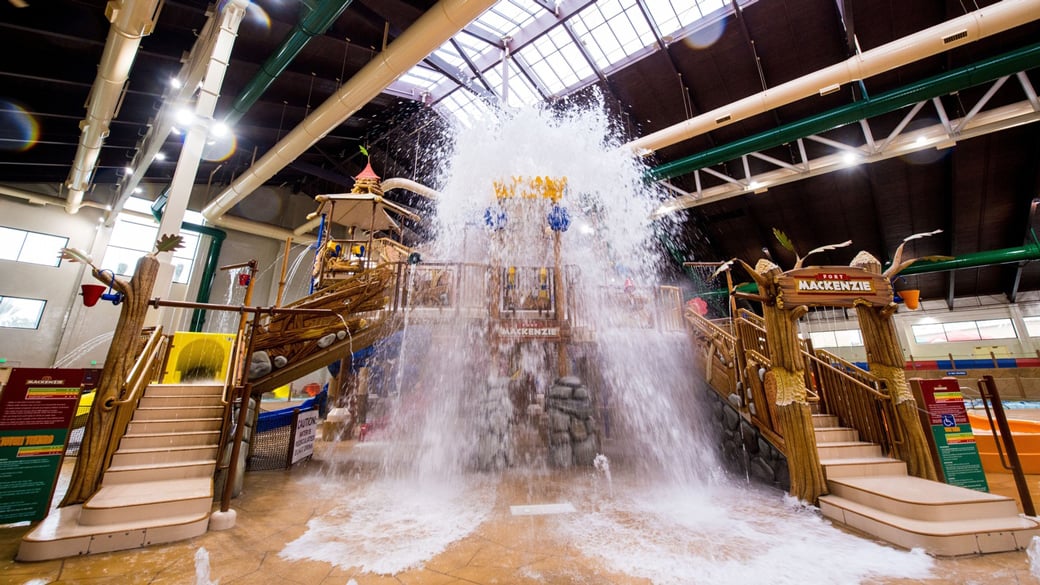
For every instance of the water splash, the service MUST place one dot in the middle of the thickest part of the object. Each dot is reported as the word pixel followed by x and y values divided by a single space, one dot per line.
pixel 202 568
pixel 1034 556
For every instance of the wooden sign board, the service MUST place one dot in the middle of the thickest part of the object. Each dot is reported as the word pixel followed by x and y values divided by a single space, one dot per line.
pixel 833 286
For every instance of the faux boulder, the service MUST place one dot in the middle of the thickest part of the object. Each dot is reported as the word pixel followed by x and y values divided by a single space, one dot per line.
pixel 573 434
pixel 259 364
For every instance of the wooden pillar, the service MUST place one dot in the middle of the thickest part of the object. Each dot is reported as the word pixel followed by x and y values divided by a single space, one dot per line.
pixel 97 447
pixel 885 359
pixel 787 376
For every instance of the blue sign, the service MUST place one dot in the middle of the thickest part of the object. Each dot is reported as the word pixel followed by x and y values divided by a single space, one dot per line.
pixel 948 420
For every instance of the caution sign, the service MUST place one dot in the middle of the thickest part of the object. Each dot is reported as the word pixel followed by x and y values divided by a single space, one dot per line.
pixel 303 437
pixel 36 410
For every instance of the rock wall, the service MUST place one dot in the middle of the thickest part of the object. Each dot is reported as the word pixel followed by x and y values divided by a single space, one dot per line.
pixel 494 437
pixel 573 431
pixel 744 451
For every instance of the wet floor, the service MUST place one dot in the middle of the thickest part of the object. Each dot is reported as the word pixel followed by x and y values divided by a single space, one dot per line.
pixel 332 521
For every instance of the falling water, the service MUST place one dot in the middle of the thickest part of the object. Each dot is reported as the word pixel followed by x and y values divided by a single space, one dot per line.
pixel 672 515
pixel 82 349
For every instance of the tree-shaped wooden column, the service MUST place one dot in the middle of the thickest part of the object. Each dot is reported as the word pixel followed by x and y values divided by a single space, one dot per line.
pixel 787 379
pixel 885 358
pixel 96 449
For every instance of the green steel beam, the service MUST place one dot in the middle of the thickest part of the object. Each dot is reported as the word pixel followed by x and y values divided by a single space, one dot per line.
pixel 982 72
pixel 314 23
pixel 209 271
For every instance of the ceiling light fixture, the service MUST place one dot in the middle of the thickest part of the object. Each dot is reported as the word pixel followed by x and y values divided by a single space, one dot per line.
pixel 850 158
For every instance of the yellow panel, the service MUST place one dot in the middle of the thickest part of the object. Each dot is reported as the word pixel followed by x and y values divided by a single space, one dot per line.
pixel 198 357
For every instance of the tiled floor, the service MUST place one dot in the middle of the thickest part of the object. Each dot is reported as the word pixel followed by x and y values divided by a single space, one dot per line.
pixel 502 548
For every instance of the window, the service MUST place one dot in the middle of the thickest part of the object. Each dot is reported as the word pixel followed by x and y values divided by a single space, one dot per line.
pixel 841 338
pixel 31 247
pixel 134 236
pixel 964 331
pixel 20 313
pixel 1032 326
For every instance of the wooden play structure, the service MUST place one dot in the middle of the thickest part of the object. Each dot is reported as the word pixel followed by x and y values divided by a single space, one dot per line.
pixel 853 440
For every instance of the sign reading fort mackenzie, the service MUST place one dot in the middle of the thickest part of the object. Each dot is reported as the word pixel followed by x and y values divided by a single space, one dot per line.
pixel 833 286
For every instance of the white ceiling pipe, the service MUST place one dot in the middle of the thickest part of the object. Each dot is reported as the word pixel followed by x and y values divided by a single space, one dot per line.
pixel 410 185
pixel 434 28
pixel 259 229
pixel 960 31
pixel 130 20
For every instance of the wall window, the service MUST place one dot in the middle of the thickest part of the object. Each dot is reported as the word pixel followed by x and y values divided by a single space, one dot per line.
pixel 20 313
pixel 31 247
pixel 1032 326
pixel 841 338
pixel 134 236
pixel 964 331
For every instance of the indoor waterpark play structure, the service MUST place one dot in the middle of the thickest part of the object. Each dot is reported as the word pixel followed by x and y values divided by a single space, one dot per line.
pixel 827 431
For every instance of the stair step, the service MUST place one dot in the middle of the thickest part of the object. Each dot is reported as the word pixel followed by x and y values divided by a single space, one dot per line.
pixel 848 450
pixel 134 502
pixel 149 427
pixel 167 440
pixel 60 535
pixel 835 434
pixel 824 420
pixel 124 474
pixel 125 457
pixel 860 466
pixel 941 538
pixel 922 499
pixel 186 400
pixel 177 412
pixel 184 390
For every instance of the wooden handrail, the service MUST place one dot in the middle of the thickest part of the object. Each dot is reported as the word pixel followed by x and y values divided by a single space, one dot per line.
pixel 138 379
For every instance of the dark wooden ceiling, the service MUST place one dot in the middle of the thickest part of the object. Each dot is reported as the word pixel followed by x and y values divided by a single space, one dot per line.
pixel 978 191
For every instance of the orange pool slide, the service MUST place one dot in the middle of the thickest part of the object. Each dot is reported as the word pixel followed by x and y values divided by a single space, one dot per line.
pixel 1025 433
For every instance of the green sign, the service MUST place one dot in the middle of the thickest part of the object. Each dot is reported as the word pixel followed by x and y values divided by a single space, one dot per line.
pixel 36 410
pixel 953 438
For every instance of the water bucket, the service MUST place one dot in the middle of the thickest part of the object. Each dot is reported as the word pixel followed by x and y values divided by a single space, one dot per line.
pixel 92 293
pixel 912 298
pixel 312 389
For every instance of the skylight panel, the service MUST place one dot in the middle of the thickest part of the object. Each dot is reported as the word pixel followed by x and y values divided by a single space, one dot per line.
pixel 422 77
pixel 612 30
pixel 464 107
pixel 448 53
pixel 508 16
pixel 474 47
pixel 671 16
pixel 520 91
pixel 556 61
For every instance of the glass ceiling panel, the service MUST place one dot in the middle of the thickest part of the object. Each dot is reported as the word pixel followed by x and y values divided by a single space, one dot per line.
pixel 521 92
pixel 422 77
pixel 556 61
pixel 474 47
pixel 612 30
pixel 450 55
pixel 465 107
pixel 508 16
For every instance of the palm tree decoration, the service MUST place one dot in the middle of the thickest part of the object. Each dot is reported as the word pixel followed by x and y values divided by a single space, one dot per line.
pixel 98 440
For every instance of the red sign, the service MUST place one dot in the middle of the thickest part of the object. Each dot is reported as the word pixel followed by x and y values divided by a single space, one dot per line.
pixel 36 410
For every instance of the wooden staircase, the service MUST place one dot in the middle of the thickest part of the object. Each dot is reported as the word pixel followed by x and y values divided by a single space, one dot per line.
pixel 872 493
pixel 158 488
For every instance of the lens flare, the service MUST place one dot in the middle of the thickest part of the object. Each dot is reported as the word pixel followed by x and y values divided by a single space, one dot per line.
pixel 19 130
pixel 707 35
